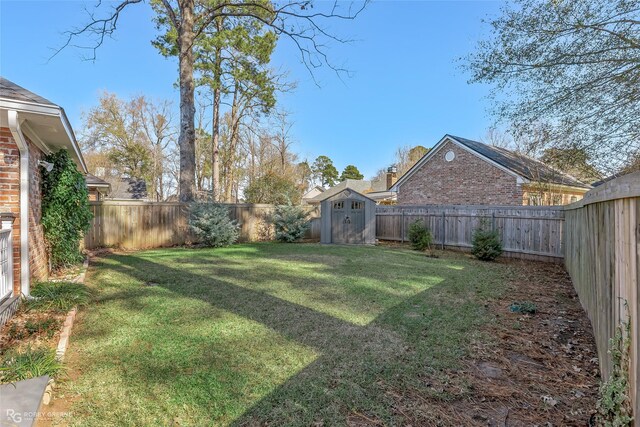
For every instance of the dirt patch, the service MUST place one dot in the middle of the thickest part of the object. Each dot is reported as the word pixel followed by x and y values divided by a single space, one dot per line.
pixel 535 369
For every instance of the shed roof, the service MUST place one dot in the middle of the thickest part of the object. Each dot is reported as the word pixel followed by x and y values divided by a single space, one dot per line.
pixel 357 185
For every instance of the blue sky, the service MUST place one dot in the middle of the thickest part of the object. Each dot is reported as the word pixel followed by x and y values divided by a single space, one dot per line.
pixel 406 88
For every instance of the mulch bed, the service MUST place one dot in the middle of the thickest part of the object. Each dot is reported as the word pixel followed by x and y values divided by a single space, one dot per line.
pixel 31 329
pixel 20 330
pixel 535 369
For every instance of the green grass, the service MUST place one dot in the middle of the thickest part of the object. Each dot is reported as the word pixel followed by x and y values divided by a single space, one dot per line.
pixel 272 333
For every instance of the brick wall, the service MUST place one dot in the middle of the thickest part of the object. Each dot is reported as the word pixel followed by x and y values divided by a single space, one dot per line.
pixel 94 195
pixel 467 180
pixel 10 202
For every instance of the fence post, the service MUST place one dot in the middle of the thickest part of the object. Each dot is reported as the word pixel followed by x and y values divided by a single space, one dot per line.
pixel 402 225
pixel 443 230
pixel 493 221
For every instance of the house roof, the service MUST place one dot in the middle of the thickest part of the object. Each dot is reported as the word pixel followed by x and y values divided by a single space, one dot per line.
pixel 313 190
pixel 517 164
pixel 95 182
pixel 129 189
pixel 10 90
pixel 43 122
pixel 382 195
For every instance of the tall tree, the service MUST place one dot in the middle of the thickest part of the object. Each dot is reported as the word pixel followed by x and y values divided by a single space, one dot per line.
pixel 304 175
pixel 324 171
pixel 231 55
pixel 571 66
pixel 351 172
pixel 296 20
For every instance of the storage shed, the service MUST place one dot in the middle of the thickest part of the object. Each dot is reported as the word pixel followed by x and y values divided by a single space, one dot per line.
pixel 348 217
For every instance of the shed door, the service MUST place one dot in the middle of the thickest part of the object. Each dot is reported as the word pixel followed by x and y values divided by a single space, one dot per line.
pixel 347 221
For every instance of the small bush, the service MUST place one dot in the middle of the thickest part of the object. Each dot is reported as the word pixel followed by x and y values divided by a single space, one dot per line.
pixel 58 296
pixel 291 223
pixel 27 364
pixel 526 307
pixel 614 404
pixel 211 223
pixel 486 244
pixel 420 236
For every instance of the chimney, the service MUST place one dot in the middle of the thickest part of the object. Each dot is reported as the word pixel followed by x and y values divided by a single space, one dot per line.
pixel 392 176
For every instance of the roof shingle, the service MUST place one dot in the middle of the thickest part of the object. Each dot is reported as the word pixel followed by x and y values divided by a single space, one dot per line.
pixel 531 169
pixel 10 90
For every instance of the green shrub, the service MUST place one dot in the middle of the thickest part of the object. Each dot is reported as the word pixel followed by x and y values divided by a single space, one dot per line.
pixel 65 210
pixel 211 223
pixel 291 223
pixel 613 407
pixel 487 245
pixel 59 296
pixel 27 364
pixel 419 235
pixel 526 307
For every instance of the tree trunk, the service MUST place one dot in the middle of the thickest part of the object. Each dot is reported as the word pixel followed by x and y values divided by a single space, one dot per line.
pixel 232 146
pixel 186 139
pixel 215 134
pixel 215 142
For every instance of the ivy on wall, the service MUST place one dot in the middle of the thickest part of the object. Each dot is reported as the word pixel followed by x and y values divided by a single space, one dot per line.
pixel 65 210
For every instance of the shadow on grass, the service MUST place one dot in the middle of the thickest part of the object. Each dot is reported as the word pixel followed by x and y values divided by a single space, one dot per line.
pixel 356 365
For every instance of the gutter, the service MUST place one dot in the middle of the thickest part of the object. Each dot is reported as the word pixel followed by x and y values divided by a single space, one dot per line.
pixel 47 110
pixel 21 142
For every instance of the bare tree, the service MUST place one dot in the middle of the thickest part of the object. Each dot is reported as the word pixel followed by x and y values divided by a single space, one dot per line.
pixel 130 139
pixel 572 67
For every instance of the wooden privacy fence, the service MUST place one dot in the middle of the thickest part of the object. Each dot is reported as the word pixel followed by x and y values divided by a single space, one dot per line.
pixel 139 225
pixel 526 231
pixel 603 259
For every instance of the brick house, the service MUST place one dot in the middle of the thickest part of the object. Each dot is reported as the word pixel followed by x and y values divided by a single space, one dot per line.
pixel 98 188
pixel 459 171
pixel 30 127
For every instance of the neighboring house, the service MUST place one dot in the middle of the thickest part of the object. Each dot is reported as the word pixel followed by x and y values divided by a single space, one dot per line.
pixel 30 127
pixel 459 171
pixel 98 188
pixel 377 190
pixel 128 189
pixel 311 193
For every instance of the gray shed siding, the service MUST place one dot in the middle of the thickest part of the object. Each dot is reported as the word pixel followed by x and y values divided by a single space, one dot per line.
pixel 327 216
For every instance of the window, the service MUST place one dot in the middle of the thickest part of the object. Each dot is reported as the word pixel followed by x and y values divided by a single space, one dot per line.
pixel 573 199
pixel 535 199
pixel 449 156
pixel 556 199
pixel 338 205
pixel 357 205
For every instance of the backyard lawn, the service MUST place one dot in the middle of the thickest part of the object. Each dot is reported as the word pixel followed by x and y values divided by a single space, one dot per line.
pixel 277 334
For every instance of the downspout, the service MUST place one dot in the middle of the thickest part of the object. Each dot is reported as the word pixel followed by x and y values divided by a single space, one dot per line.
pixel 21 142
